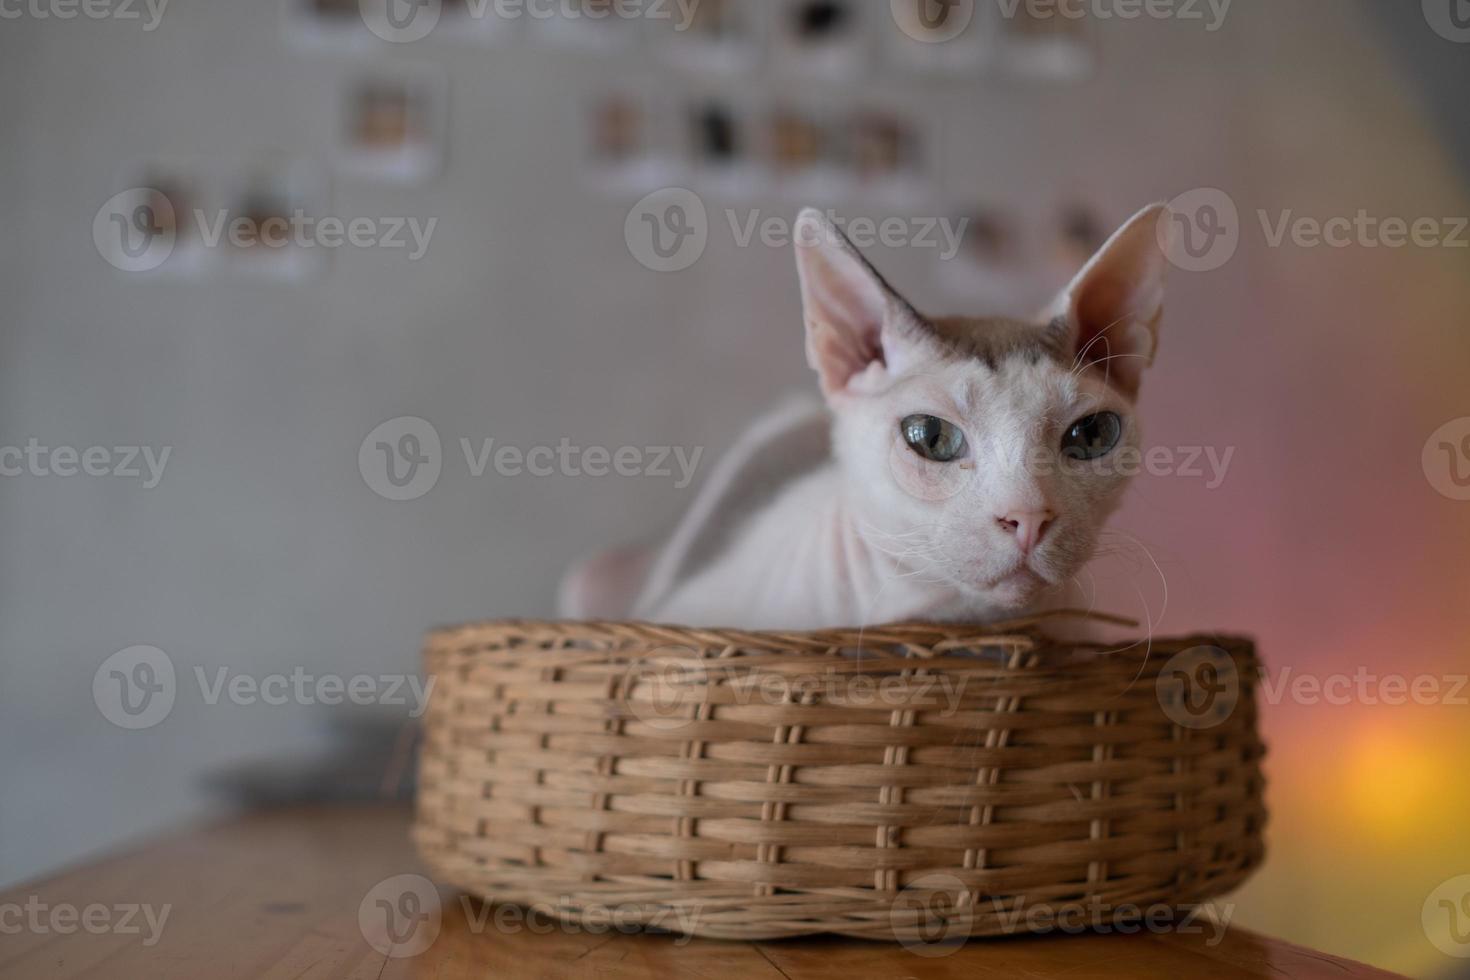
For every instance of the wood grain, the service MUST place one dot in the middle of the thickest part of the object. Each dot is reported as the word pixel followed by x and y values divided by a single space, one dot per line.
pixel 277 895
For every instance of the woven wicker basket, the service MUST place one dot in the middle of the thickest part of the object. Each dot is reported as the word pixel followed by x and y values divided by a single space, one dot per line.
pixel 893 783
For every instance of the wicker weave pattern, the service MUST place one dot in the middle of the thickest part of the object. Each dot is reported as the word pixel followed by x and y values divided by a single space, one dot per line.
pixel 755 785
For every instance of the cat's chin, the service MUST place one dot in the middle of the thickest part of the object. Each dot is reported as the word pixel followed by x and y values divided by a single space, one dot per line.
pixel 1015 590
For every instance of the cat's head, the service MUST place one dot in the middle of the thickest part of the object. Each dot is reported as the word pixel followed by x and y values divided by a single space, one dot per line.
pixel 983 452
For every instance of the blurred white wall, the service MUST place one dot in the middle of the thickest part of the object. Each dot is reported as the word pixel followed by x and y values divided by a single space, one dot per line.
pixel 529 321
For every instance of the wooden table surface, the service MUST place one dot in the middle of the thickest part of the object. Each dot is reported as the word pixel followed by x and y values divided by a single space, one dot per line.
pixel 285 895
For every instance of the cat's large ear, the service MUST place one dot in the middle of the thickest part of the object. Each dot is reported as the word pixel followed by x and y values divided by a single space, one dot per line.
pixel 1109 314
pixel 854 319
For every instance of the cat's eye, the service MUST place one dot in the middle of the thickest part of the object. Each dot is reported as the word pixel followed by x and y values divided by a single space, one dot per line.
pixel 1093 437
pixel 933 438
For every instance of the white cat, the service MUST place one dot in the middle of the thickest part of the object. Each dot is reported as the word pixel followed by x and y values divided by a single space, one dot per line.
pixel 961 470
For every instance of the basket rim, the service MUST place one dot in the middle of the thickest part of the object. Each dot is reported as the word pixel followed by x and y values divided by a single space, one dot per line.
pixel 932 639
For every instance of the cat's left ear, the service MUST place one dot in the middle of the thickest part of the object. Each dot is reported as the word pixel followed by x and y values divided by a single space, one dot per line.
pixel 1110 313
pixel 854 319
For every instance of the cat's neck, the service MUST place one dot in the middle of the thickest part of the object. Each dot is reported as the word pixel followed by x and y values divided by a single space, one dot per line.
pixel 856 579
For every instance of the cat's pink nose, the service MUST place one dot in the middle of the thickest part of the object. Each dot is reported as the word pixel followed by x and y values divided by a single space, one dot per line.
pixel 1027 525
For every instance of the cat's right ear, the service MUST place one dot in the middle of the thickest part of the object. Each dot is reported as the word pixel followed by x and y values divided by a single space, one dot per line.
pixel 854 319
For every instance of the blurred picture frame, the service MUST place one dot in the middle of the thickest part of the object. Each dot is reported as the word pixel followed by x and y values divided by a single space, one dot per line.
pixel 723 37
pixel 341 24
pixel 326 24
pixel 626 143
pixel 270 195
pixel 721 144
pixel 993 265
pixel 828 39
pixel 1044 43
pixel 893 151
pixel 808 147
pixel 392 124
pixel 152 230
pixel 923 37
pixel 216 219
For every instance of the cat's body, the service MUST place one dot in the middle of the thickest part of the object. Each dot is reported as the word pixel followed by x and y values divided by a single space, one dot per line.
pixel 959 472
